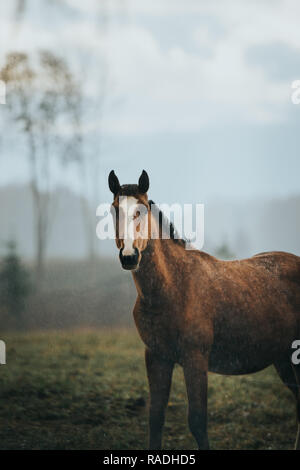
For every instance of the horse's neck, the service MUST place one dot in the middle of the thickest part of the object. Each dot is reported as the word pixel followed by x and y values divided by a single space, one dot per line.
pixel 156 268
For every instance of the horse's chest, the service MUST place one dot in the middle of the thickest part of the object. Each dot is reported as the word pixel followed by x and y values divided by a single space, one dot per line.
pixel 158 335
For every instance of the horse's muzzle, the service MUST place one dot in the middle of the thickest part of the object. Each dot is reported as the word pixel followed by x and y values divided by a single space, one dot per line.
pixel 129 262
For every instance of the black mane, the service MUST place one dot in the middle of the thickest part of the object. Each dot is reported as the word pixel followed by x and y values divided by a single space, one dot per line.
pixel 165 223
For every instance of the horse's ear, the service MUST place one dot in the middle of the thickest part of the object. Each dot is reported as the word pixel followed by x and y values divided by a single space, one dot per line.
pixel 143 182
pixel 113 182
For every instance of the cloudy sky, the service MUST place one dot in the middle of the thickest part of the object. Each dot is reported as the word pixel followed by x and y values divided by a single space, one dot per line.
pixel 197 92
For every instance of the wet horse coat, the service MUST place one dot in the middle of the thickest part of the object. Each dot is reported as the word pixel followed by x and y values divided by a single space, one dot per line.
pixel 228 317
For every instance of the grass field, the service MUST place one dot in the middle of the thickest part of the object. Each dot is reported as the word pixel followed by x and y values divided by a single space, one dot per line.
pixel 88 390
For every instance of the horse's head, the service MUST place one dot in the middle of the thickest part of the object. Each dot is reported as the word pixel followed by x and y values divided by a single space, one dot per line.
pixel 131 212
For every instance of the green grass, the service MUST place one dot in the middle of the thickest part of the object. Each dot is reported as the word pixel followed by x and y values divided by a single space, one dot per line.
pixel 88 390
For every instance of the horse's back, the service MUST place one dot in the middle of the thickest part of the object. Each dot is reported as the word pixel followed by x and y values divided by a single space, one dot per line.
pixel 278 264
pixel 278 255
pixel 285 265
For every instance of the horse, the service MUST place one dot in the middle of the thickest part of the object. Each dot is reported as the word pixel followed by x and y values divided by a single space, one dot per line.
pixel 205 314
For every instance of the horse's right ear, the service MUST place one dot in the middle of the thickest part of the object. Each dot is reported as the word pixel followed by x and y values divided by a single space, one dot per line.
pixel 113 182
pixel 144 182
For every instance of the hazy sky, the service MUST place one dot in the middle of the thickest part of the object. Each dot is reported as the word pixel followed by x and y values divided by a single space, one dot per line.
pixel 199 93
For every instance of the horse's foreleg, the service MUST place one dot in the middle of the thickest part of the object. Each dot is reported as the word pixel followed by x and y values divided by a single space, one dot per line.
pixel 195 373
pixel 296 369
pixel 290 375
pixel 159 374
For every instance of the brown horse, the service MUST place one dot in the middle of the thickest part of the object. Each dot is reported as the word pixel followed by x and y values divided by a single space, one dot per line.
pixel 228 317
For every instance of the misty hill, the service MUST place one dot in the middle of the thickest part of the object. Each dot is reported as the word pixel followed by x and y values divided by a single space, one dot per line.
pixel 66 236
pixel 247 228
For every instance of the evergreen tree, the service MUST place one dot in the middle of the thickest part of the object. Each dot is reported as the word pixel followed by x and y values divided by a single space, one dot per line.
pixel 14 282
pixel 224 252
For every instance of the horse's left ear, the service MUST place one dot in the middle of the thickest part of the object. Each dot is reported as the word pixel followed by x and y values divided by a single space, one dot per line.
pixel 113 182
pixel 143 182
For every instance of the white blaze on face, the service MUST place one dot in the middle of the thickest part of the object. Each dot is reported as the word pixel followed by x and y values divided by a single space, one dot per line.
pixel 128 205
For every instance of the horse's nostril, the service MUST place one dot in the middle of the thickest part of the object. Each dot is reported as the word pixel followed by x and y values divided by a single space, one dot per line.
pixel 129 260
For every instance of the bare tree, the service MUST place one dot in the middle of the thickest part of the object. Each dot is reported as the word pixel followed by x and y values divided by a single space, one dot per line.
pixel 38 98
